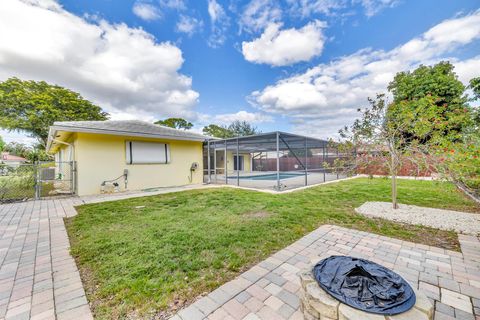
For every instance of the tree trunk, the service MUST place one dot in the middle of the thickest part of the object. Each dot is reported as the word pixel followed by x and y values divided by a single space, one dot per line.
pixel 394 183
pixel 475 197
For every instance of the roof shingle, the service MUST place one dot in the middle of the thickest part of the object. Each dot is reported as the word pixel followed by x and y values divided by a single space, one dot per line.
pixel 125 127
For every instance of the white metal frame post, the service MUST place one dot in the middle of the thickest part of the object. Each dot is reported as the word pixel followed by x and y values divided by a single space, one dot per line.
pixel 225 163
pixel 238 164
pixel 305 163
pixel 278 161
pixel 215 162
pixel 324 161
pixel 208 162
pixel 251 161
pixel 336 169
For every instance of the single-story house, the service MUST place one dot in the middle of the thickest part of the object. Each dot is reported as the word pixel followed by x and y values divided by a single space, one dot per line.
pixel 110 156
pixel 130 154
pixel 11 160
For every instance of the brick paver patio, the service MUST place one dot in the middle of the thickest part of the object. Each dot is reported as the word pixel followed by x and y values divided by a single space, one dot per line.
pixel 270 289
pixel 39 279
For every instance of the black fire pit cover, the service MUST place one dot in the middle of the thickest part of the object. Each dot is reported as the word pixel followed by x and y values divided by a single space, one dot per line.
pixel 364 285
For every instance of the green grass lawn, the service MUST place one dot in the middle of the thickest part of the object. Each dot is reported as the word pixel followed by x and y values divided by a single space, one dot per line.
pixel 150 260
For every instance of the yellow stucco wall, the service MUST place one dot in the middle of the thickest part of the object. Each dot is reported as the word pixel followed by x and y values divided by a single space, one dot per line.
pixel 221 164
pixel 102 157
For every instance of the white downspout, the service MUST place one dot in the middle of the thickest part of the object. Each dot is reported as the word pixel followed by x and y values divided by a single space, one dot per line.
pixel 72 150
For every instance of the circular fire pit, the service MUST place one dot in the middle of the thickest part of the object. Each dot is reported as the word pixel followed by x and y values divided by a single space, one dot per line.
pixel 349 288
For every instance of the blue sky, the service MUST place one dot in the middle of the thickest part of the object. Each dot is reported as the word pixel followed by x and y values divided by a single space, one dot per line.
pixel 294 65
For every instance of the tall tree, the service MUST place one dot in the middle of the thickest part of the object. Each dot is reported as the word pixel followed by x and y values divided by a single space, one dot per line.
pixel 236 129
pixel 17 149
pixel 475 87
pixel 2 144
pixel 429 115
pixel 31 153
pixel 432 107
pixel 242 128
pixel 217 131
pixel 33 106
pixel 176 123
pixel 433 98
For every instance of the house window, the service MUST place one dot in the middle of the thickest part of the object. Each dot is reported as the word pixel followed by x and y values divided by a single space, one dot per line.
pixel 138 152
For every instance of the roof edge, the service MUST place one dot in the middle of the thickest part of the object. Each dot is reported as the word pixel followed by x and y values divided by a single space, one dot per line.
pixel 53 129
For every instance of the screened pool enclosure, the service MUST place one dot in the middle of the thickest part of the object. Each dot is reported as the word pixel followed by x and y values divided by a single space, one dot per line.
pixel 277 161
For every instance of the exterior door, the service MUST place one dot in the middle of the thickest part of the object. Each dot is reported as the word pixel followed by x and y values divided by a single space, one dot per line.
pixel 240 163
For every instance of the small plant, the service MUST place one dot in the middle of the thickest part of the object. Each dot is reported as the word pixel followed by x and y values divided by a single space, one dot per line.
pixel 373 135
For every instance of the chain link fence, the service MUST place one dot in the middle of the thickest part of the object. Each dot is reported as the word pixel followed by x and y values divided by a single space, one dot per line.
pixel 36 180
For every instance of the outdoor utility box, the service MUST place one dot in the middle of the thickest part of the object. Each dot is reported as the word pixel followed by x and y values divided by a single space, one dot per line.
pixel 47 173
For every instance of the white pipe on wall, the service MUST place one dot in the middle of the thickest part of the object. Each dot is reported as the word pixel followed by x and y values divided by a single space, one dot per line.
pixel 72 150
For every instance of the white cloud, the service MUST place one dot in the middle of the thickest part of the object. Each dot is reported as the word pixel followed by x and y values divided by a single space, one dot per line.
pixel 215 11
pixel 225 119
pixel 12 136
pixel 306 8
pixel 173 4
pixel 122 69
pixel 458 31
pixel 372 7
pixel 258 14
pixel 255 117
pixel 219 24
pixel 189 25
pixel 328 94
pixel 285 47
pixel 468 69
pixel 145 11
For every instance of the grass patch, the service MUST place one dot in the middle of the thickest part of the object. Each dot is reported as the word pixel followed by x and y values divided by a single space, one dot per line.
pixel 144 261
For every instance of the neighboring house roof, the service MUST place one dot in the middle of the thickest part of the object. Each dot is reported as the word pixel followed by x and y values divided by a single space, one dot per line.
pixel 135 128
pixel 10 157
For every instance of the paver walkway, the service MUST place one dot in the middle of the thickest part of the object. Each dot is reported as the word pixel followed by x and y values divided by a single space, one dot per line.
pixel 270 289
pixel 39 279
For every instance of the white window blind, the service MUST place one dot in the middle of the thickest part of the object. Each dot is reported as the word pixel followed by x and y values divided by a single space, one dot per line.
pixel 138 152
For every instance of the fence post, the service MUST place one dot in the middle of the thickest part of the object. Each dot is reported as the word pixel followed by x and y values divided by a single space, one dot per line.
pixel 35 177
pixel 38 180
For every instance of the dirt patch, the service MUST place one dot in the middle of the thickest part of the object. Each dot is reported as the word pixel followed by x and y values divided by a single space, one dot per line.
pixel 434 237
pixel 417 234
pixel 257 214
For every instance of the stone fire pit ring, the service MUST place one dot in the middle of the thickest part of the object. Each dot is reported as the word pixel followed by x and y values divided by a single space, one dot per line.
pixel 317 304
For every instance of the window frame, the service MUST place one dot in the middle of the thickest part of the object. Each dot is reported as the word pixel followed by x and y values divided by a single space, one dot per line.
pixel 130 158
